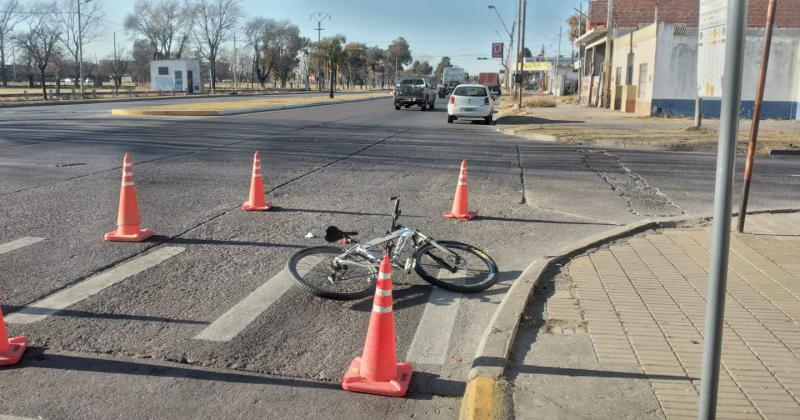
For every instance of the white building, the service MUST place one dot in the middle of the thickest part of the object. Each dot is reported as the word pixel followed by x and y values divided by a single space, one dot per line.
pixel 176 76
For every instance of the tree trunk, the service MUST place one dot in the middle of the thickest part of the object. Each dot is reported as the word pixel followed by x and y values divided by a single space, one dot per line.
pixel 212 61
pixel 44 86
pixel 333 81
pixel 3 65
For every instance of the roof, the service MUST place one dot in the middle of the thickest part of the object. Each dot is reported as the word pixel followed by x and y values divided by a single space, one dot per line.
pixel 591 36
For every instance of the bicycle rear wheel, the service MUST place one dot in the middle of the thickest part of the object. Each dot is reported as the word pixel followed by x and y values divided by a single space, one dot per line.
pixel 314 270
pixel 475 270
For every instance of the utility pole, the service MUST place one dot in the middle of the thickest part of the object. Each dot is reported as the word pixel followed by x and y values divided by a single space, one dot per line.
pixel 762 80
pixel 558 62
pixel 80 47
pixel 234 63
pixel 721 230
pixel 510 33
pixel 606 96
pixel 319 17
pixel 522 7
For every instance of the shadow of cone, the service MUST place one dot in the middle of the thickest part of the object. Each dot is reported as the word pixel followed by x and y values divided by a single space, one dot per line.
pixel 461 201
pixel 129 220
pixel 377 371
pixel 11 349
pixel 256 200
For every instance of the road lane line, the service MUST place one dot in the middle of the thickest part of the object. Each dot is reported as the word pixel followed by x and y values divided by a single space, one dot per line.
pixel 52 304
pixel 19 243
pixel 231 323
pixel 432 338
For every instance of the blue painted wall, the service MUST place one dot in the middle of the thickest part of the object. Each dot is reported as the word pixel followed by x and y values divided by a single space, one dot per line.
pixel 779 110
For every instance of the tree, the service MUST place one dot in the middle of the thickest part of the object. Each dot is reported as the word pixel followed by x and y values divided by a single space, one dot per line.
pixel 421 68
pixel 216 20
pixel 280 43
pixel 141 54
pixel 399 55
pixel 165 24
pixel 577 26
pixel 118 67
pixel 40 41
pixel 443 64
pixel 332 50
pixel 376 62
pixel 10 16
pixel 254 31
pixel 356 59
pixel 91 27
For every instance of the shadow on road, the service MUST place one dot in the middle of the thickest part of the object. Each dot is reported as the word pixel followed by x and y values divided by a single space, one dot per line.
pixel 36 357
pixel 556 222
pixel 196 241
pixel 551 370
pixel 523 119
pixel 33 310
pixel 325 211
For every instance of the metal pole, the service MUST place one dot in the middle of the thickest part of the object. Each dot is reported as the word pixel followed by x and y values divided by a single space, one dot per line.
pixel 521 56
pixel 80 48
pixel 720 235
pixel 234 63
pixel 698 112
pixel 558 61
pixel 606 89
pixel 751 148
pixel 582 57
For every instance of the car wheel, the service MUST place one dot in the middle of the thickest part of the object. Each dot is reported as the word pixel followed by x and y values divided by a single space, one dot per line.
pixel 424 106
pixel 450 119
pixel 397 107
pixel 488 120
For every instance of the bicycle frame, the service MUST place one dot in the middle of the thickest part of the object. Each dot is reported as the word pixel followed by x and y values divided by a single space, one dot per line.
pixel 403 235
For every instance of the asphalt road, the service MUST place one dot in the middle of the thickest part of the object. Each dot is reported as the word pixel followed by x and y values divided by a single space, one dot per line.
pixel 137 347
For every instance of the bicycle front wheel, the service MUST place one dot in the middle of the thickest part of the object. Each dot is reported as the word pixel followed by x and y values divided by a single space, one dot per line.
pixel 314 270
pixel 475 271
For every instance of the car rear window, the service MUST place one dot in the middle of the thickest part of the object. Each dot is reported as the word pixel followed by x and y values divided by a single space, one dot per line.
pixel 470 91
pixel 412 82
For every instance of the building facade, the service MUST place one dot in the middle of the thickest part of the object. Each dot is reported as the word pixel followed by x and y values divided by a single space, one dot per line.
pixel 176 76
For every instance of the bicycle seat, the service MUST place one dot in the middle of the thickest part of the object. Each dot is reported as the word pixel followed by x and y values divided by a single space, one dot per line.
pixel 334 234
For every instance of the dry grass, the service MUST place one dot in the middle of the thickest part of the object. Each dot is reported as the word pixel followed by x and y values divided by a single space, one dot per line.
pixel 538 102
pixel 571 99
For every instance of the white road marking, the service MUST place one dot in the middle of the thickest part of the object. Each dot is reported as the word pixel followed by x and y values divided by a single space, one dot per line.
pixel 52 304
pixel 231 323
pixel 7 417
pixel 432 338
pixel 19 243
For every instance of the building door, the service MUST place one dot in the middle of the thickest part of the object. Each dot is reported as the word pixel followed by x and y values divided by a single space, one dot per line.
pixel 189 82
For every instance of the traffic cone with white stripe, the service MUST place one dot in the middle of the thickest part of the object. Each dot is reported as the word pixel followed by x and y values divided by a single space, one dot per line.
pixel 377 370
pixel 256 201
pixel 129 219
pixel 11 348
pixel 461 201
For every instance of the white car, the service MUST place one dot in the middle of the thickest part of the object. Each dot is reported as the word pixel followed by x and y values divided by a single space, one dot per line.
pixel 470 102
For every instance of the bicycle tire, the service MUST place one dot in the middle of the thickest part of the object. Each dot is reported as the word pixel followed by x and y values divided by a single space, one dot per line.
pixel 318 288
pixel 489 279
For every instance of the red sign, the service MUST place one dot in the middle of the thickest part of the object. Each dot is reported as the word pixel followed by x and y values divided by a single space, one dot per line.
pixel 497 50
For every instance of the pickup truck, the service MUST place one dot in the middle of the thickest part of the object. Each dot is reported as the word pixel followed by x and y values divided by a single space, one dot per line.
pixel 412 90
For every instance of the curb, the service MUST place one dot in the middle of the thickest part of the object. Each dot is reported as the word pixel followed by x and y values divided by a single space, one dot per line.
pixel 220 113
pixel 484 396
pixel 784 152
pixel 530 136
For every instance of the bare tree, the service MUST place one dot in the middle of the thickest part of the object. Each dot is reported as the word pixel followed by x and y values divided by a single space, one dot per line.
pixel 91 27
pixel 332 49
pixel 254 32
pixel 10 16
pixel 165 24
pixel 41 41
pixel 215 23
pixel 118 67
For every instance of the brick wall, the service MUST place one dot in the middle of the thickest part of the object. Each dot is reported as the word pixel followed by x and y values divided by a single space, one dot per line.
pixel 631 13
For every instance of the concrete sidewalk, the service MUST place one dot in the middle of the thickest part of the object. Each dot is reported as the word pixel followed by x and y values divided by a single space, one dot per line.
pixel 569 123
pixel 617 332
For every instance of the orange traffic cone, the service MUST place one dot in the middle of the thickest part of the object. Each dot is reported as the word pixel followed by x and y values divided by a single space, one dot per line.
pixel 129 220
pixel 377 370
pixel 11 349
pixel 256 201
pixel 461 200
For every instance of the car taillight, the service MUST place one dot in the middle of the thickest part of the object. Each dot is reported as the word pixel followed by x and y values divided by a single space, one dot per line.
pixel 452 99
pixel 486 101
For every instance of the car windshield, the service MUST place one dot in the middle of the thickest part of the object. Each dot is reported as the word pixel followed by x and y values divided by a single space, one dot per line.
pixel 412 82
pixel 470 91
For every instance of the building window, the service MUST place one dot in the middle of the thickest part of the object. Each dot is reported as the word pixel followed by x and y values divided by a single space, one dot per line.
pixel 629 70
pixel 163 71
pixel 642 81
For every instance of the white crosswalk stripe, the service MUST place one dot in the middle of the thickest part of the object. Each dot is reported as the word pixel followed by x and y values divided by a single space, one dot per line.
pixel 54 303
pixel 19 243
pixel 432 338
pixel 231 323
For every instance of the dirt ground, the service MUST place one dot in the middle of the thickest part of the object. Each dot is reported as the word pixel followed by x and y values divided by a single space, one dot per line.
pixel 569 123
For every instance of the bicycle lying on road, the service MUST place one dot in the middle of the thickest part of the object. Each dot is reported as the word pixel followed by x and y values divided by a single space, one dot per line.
pixel 335 273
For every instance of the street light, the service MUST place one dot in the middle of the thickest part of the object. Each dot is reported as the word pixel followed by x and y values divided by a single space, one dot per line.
pixel 491 6
pixel 510 45
pixel 80 44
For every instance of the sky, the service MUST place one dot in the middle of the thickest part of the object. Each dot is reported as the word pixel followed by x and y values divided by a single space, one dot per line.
pixel 460 29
